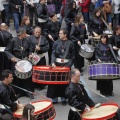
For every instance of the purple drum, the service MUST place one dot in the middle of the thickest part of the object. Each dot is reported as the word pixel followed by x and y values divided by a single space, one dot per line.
pixel 101 71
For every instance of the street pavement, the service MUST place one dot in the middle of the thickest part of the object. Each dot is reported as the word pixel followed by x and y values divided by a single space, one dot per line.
pixel 62 111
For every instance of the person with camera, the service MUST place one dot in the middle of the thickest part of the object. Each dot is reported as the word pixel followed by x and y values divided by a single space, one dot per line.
pixel 17 9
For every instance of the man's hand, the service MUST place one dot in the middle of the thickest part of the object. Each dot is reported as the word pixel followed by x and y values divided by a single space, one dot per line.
pixel 17 6
pixel 87 109
pixel 30 56
pixel 99 60
pixel 14 60
pixel 50 37
pixel 20 106
pixel 115 48
pixel 37 47
pixel 79 43
pixel 53 65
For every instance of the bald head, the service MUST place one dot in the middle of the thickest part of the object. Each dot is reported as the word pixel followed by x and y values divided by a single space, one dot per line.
pixel 3 26
pixel 75 75
pixel 37 31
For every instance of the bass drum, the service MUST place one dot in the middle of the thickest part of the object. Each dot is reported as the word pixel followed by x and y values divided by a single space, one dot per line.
pixel 86 51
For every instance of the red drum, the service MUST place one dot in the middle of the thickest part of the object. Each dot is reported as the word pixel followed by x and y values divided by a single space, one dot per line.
pixel 49 75
pixel 44 110
pixel 104 112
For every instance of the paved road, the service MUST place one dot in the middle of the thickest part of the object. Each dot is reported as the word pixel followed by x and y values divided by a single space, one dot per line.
pixel 62 111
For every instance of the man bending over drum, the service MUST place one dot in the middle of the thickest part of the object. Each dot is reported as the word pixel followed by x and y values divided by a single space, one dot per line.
pixel 7 95
pixel 19 48
pixel 77 96
pixel 62 55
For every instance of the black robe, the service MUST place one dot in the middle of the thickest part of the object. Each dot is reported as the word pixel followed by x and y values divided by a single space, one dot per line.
pixel 59 90
pixel 52 28
pixel 7 96
pixel 44 47
pixel 20 49
pixel 77 98
pixel 5 37
pixel 103 53
pixel 78 33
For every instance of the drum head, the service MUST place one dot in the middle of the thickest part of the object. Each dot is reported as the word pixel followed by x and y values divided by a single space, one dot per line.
pixel 102 112
pixel 87 48
pixel 23 66
pixel 108 32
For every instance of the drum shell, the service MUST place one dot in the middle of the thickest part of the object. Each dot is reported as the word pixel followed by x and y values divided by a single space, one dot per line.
pixel 49 75
pixel 86 54
pixel 102 71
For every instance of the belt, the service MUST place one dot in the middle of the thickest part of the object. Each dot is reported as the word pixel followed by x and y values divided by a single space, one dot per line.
pixel 41 20
pixel 59 60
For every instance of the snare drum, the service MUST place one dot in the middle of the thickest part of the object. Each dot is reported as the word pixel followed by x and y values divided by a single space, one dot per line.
pixel 49 75
pixel 104 112
pixel 23 69
pixel 102 71
pixel 86 50
pixel 44 110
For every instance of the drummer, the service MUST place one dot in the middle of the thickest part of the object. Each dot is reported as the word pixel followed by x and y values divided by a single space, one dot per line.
pixel 7 95
pixel 40 46
pixel 77 97
pixel 115 38
pixel 62 55
pixel 78 35
pixel 18 49
pixel 103 54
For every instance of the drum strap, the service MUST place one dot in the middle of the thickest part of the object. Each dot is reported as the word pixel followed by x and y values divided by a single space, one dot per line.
pixel 113 53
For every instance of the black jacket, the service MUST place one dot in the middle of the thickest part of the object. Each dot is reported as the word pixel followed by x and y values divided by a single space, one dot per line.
pixel 7 96
pixel 103 52
pixel 58 53
pixel 52 28
pixel 18 48
pixel 44 45
pixel 78 97
pixel 70 16
pixel 13 4
pixel 96 25
pixel 29 30
pixel 78 33
pixel 5 37
pixel 42 11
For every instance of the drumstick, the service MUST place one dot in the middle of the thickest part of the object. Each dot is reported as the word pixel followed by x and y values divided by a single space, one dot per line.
pixel 33 93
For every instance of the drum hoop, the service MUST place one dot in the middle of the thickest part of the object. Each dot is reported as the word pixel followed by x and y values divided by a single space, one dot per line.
pixel 104 63
pixel 43 110
pixel 53 82
pixel 105 117
pixel 48 68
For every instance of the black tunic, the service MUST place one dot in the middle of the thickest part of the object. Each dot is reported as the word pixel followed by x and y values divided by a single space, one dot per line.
pixel 20 49
pixel 52 28
pixel 103 53
pixel 7 96
pixel 77 98
pixel 59 90
pixel 96 24
pixel 78 33
pixel 44 47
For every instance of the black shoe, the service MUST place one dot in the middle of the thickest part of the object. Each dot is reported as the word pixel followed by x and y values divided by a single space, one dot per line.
pixel 30 96
pixel 54 103
pixel 111 94
pixel 64 103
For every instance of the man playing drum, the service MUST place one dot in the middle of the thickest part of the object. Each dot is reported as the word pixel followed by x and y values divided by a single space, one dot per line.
pixel 19 48
pixel 7 95
pixel 78 98
pixel 62 55
pixel 40 46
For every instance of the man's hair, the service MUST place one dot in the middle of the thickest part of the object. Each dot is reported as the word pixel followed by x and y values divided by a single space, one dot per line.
pixel 65 31
pixel 6 73
pixel 37 27
pixel 73 72
pixel 21 30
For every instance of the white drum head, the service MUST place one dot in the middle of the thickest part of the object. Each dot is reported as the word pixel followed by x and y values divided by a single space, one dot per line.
pixel 87 48
pixel 23 66
pixel 100 112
